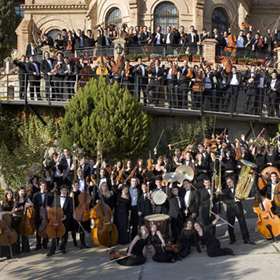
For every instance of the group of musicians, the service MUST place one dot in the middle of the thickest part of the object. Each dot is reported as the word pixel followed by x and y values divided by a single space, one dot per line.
pixel 134 193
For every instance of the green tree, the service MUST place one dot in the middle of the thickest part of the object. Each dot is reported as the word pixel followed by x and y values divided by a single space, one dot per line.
pixel 109 114
pixel 8 23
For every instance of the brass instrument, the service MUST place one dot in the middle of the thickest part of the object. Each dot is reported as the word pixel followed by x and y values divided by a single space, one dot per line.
pixel 245 180
pixel 260 142
pixel 14 54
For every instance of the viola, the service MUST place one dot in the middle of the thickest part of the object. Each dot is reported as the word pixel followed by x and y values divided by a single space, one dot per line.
pixel 56 68
pixel 8 235
pixel 82 210
pixel 150 162
pixel 27 226
pixel 55 227
pixel 92 178
pixel 104 232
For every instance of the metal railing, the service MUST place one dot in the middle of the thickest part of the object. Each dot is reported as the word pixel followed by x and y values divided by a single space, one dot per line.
pixel 163 95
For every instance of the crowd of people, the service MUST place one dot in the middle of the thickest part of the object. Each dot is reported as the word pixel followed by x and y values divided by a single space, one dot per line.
pixel 130 191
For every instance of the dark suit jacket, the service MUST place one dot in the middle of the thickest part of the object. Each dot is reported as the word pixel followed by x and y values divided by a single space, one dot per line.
pixel 89 42
pixel 174 210
pixel 229 200
pixel 144 37
pixel 194 200
pixel 52 165
pixel 154 39
pixel 189 39
pixel 266 191
pixel 204 202
pixel 183 77
pixel 46 67
pixel 30 68
pixel 160 72
pixel 67 174
pixel 28 50
pixel 79 67
pixel 21 66
pixel 277 86
pixel 138 73
pixel 239 78
pixel 37 201
pixel 72 68
pixel 144 206
pixel 67 208
pixel 86 170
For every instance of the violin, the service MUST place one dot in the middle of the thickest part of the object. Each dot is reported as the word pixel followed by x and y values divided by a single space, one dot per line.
pixel 264 27
pixel 69 46
pixel 174 70
pixel 82 210
pixel 150 162
pixel 117 254
pixel 127 70
pixel 56 68
pixel 8 235
pixel 184 153
pixel 132 173
pixel 55 228
pixel 247 25
pixel 104 232
pixel 92 178
pixel 27 226
pixel 190 73
pixel 238 154
pixel 172 248
pixel 151 65
pixel 260 43
pixel 119 177
pixel 174 30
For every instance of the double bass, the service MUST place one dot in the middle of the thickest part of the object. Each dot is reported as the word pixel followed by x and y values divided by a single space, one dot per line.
pixel 44 217
pixel 104 232
pixel 82 210
pixel 55 227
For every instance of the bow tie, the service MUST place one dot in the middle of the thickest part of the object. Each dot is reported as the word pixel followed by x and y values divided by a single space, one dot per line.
pixel 188 190
pixel 63 196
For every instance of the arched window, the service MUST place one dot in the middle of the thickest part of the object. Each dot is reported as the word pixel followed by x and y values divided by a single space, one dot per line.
pixel 53 33
pixel 166 14
pixel 220 20
pixel 114 16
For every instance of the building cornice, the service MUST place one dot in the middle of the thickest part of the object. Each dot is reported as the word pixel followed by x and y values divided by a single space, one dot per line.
pixel 53 7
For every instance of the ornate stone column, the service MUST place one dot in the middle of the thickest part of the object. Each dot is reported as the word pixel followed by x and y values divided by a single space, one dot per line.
pixel 209 49
pixel 134 19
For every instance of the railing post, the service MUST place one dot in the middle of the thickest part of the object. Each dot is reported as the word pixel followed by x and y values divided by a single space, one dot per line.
pixel 261 103
pixel 8 97
pixel 25 89
pixel 201 99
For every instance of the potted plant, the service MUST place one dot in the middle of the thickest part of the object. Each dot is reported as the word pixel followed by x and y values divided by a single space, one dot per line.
pixel 242 61
pixel 156 56
pixel 196 57
pixel 172 57
pixel 184 56
pixel 131 57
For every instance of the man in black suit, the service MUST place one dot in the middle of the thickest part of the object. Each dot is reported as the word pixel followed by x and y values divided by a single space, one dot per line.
pixel 56 169
pixel 60 43
pixel 34 76
pixel 89 40
pixel 68 166
pixel 79 41
pixel 235 209
pixel 268 191
pixel 157 74
pixel 208 87
pixel 47 41
pixel 176 212
pixel 100 40
pixel 144 205
pixel 184 85
pixel 262 77
pixel 41 200
pixel 58 77
pixel 157 37
pixel 221 86
pixel 204 35
pixel 160 208
pixel 84 166
pixel 191 200
pixel 22 76
pixel 47 66
pixel 140 79
pixel 70 78
pixel 192 39
pixel 31 49
pixel 207 197
pixel 81 64
pixel 103 178
pixel 234 81
pixel 273 91
pixel 65 203
pixel 172 81
pixel 144 36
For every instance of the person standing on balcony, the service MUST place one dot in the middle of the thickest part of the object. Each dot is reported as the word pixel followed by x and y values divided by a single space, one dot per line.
pixel 145 36
pixel 208 87
pixel 273 92
pixel 157 37
pixel 184 84
pixel 47 66
pixel 58 77
pixel 22 75
pixel 192 39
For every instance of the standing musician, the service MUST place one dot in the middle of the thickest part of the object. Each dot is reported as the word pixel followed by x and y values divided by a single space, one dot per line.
pixel 273 91
pixel 192 39
pixel 41 200
pixel 70 77
pixel 127 76
pixel 163 208
pixel 221 86
pixel 208 88
pixel 157 74
pixel 140 80
pixel 34 76
pixel 172 81
pixel 47 66
pixel 144 204
pixel 22 202
pixel 145 36
pixel 81 64
pixel 65 203
pixel 58 76
pixel 268 191
pixel 22 75
pixel 85 168
pixel 235 210
pixel 157 37
pixel 234 81
pixel 260 90
pixel 190 196
pixel 186 74
pixel 68 166
pixel 176 212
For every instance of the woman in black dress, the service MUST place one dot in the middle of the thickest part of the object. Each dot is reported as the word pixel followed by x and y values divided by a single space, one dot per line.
pixel 271 156
pixel 158 242
pixel 212 244
pixel 107 195
pixel 7 208
pixel 186 239
pixel 201 167
pixel 49 181
pixel 33 187
pixel 122 210
pixel 135 250
pixel 21 202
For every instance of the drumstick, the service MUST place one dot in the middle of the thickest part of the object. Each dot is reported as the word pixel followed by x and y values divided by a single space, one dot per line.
pixel 222 219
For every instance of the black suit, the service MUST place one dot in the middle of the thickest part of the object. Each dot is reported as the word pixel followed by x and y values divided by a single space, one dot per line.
pixel 144 37
pixel 155 82
pixel 208 92
pixel 232 92
pixel 22 76
pixel 266 191
pixel 171 82
pixel 140 80
pixel 184 86
pixel 193 204
pixel 52 166
pixel 86 170
pixel 68 175
pixel 221 88
pixel 67 211
pixel 34 80
pixel 192 42
pixel 69 79
pixel 235 209
pixel 176 212
pixel 46 68
pixel 273 97
pixel 29 50
pixel 155 38
pixel 145 207
pixel 38 203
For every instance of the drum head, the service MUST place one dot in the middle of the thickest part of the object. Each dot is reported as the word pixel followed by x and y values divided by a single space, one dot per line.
pixel 156 217
pixel 248 163
pixel 159 197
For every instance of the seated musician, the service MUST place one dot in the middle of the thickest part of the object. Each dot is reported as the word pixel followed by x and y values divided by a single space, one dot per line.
pixel 65 203
pixel 75 226
pixel 41 200
pixel 135 250
pixel 157 241
pixel 155 81
pixel 268 191
pixel 7 207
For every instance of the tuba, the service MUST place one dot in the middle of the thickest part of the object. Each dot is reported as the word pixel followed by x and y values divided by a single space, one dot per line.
pixel 14 54
pixel 245 180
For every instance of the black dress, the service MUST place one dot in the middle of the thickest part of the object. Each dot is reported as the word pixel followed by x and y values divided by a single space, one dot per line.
pixel 185 241
pixel 272 159
pixel 137 252
pixel 213 245
pixel 121 218
pixel 5 251
pixel 161 255
pixel 200 174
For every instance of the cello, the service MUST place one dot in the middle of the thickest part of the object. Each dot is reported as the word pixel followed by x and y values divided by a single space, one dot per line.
pixel 82 210
pixel 44 217
pixel 27 226
pixel 55 228
pixel 87 73
pixel 104 232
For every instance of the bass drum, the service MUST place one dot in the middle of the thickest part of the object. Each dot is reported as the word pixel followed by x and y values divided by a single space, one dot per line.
pixel 158 197
pixel 160 220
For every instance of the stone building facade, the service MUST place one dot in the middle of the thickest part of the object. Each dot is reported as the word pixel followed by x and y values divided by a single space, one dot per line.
pixel 50 16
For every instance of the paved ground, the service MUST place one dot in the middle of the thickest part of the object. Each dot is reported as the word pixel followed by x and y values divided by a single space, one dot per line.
pixel 249 262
